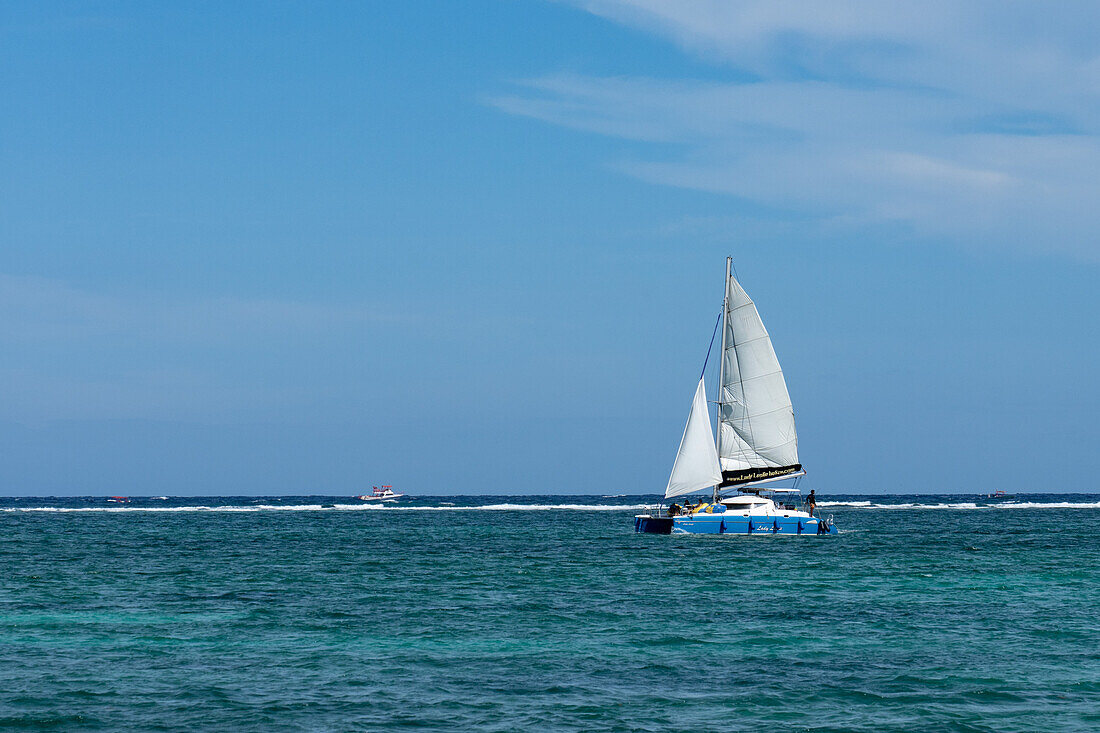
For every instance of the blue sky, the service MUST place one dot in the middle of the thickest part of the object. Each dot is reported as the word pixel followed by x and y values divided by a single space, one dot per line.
pixel 478 247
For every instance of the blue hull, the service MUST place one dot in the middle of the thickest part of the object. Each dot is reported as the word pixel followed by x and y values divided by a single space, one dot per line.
pixel 727 524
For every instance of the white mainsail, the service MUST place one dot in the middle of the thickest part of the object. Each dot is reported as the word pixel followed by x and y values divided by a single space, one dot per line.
pixel 756 420
pixel 696 465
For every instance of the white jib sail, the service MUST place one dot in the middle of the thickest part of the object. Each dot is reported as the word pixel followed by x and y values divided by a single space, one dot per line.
pixel 756 419
pixel 696 465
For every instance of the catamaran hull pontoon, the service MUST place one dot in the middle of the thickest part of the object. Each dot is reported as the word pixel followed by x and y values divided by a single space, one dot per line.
pixel 725 524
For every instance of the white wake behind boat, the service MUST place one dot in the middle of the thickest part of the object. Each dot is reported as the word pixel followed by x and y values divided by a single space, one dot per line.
pixel 755 444
pixel 380 493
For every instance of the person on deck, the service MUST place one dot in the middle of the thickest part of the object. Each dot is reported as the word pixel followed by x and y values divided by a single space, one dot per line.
pixel 811 503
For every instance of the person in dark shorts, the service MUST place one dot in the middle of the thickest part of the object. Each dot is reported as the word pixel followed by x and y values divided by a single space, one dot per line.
pixel 811 503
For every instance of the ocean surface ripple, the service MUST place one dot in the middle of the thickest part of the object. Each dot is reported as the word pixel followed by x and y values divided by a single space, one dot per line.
pixel 948 613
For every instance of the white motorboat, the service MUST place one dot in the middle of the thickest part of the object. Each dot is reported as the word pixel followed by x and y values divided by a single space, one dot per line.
pixel 380 493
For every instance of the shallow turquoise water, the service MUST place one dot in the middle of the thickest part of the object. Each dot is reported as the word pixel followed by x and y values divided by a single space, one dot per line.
pixel 250 618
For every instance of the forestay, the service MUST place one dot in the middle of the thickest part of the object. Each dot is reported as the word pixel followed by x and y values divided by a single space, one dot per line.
pixel 696 465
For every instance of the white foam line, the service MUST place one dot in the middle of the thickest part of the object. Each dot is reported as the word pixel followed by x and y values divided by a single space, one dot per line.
pixel 962 505
pixel 508 507
pixel 329 508
pixel 1047 505
pixel 966 505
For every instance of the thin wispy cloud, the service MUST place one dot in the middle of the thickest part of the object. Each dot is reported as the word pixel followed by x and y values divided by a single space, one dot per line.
pixel 972 122
pixel 45 309
pixel 69 352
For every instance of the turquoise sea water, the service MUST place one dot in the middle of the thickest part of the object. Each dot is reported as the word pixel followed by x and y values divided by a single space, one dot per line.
pixel 309 613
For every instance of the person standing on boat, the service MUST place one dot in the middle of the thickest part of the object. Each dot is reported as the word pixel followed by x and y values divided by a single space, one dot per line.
pixel 811 503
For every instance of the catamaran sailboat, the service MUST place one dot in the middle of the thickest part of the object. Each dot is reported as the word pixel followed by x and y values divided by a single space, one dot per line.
pixel 755 444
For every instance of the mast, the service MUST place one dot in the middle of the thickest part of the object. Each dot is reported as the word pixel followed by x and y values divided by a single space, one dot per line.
pixel 721 369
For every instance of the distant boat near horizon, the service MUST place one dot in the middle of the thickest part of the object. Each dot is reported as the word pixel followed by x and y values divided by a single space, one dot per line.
pixel 755 444
pixel 380 493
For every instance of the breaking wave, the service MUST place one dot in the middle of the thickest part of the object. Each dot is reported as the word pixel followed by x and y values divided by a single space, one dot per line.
pixel 328 508
pixel 964 505
pixel 947 503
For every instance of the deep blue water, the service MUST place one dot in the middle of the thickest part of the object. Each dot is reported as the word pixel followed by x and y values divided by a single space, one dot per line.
pixel 312 613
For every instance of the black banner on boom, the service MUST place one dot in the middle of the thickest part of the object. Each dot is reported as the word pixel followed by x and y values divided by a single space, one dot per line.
pixel 748 475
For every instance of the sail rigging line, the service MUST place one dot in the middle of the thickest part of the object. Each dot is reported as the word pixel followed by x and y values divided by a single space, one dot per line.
pixel 718 405
pixel 719 392
pixel 712 335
